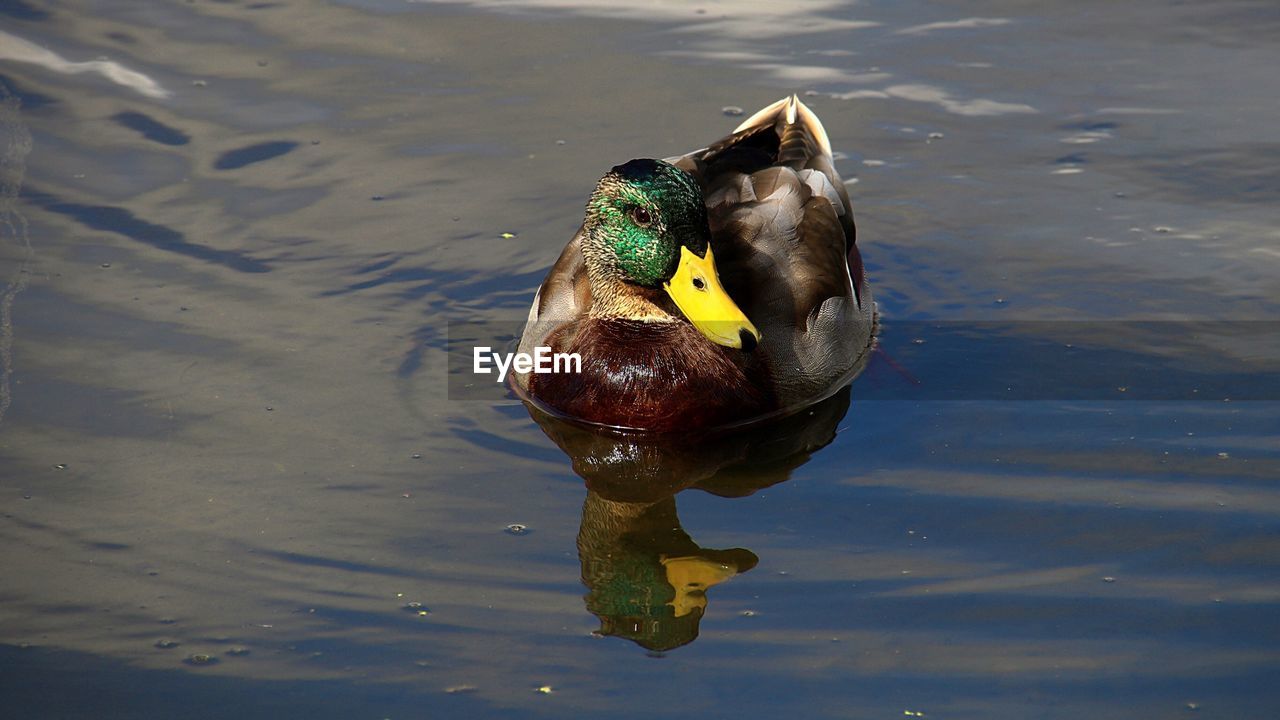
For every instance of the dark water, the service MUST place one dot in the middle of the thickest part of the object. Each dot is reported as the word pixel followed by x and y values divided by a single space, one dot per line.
pixel 230 461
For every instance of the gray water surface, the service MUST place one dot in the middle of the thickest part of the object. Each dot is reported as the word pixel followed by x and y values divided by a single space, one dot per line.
pixel 234 481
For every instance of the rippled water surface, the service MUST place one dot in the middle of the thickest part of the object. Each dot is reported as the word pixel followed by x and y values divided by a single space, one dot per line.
pixel 234 481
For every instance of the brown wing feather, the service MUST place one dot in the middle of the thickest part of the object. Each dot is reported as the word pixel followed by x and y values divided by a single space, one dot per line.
pixel 566 283
pixel 818 259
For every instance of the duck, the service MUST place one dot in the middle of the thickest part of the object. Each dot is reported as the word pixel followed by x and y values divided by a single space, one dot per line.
pixel 707 289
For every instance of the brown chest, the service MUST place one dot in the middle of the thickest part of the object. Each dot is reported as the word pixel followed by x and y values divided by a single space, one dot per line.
pixel 654 376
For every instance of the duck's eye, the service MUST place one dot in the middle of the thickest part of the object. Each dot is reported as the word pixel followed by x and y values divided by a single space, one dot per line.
pixel 641 216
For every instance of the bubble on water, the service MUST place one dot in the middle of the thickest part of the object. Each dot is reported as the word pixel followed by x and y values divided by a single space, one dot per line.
pixel 167 644
pixel 416 456
pixel 731 110
pixel 1108 579
pixel 238 651
pixel 60 466
pixel 1223 456
pixel 517 529
pixel 106 265
pixel 545 689
pixel 416 608
pixel 199 659
pixel 748 613
pixel 167 621
pixel 460 689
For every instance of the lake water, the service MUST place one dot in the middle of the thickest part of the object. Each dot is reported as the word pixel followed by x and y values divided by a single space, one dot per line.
pixel 236 481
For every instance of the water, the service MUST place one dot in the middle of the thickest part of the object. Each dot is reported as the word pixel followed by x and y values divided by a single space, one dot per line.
pixel 243 229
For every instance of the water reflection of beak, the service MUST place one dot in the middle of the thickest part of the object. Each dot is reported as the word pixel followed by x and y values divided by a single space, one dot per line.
pixel 691 577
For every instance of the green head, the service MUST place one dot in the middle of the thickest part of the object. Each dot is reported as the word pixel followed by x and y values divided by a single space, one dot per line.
pixel 646 227
pixel 639 216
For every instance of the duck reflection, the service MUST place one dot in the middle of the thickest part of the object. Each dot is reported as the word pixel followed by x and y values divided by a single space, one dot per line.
pixel 646 579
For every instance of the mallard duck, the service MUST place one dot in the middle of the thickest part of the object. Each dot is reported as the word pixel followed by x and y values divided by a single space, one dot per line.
pixel 710 288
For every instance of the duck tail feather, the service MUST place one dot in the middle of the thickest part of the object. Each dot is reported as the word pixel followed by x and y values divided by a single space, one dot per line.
pixel 766 116
pixel 811 121
pixel 799 130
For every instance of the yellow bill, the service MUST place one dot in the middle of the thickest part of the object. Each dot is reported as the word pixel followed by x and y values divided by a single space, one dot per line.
pixel 698 293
